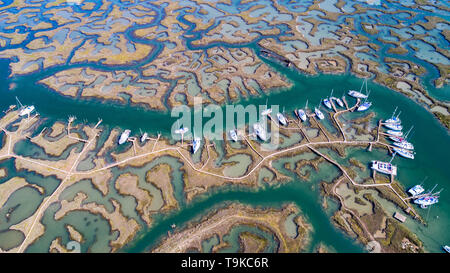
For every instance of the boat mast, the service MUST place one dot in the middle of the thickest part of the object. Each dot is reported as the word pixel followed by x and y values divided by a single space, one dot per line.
pixel 421 183
pixel 306 106
pixel 366 86
pixel 360 89
pixel 409 131
pixel 395 110
pixel 393 155
pixel 365 100
pixel 17 99
pixel 439 192
pixel 431 191
pixel 399 114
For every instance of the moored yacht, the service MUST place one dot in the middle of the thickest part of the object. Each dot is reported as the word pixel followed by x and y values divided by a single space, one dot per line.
pixel 357 94
pixel 282 119
pixel 318 113
pixel 394 133
pixel 301 114
pixel 267 111
pixel 195 144
pixel 366 104
pixel 426 201
pixel 416 190
pixel 393 119
pixel 404 153
pixel 260 131
pixel 405 145
pixel 338 100
pixel 327 103
pixel 397 139
pixel 124 136
pixel 233 135
pixel 181 130
pixel 384 167
pixel 26 111
pixel 363 107
pixel 144 137
pixel 393 126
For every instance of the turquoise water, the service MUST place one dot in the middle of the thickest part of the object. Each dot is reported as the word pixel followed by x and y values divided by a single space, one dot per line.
pixel 429 137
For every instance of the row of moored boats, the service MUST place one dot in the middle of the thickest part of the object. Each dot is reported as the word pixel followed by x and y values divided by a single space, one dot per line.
pixel 399 140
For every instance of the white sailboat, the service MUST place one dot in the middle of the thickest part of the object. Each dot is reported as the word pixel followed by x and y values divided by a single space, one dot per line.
pixel 426 201
pixel 25 110
pixel 144 137
pixel 404 153
pixel 405 145
pixel 267 111
pixel 338 101
pixel 319 113
pixel 363 107
pixel 357 94
pixel 302 113
pixel 397 139
pixel 260 131
pixel 393 126
pixel 366 104
pixel 393 119
pixel 124 136
pixel 181 130
pixel 233 135
pixel 282 119
pixel 327 101
pixel 394 133
pixel 195 144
